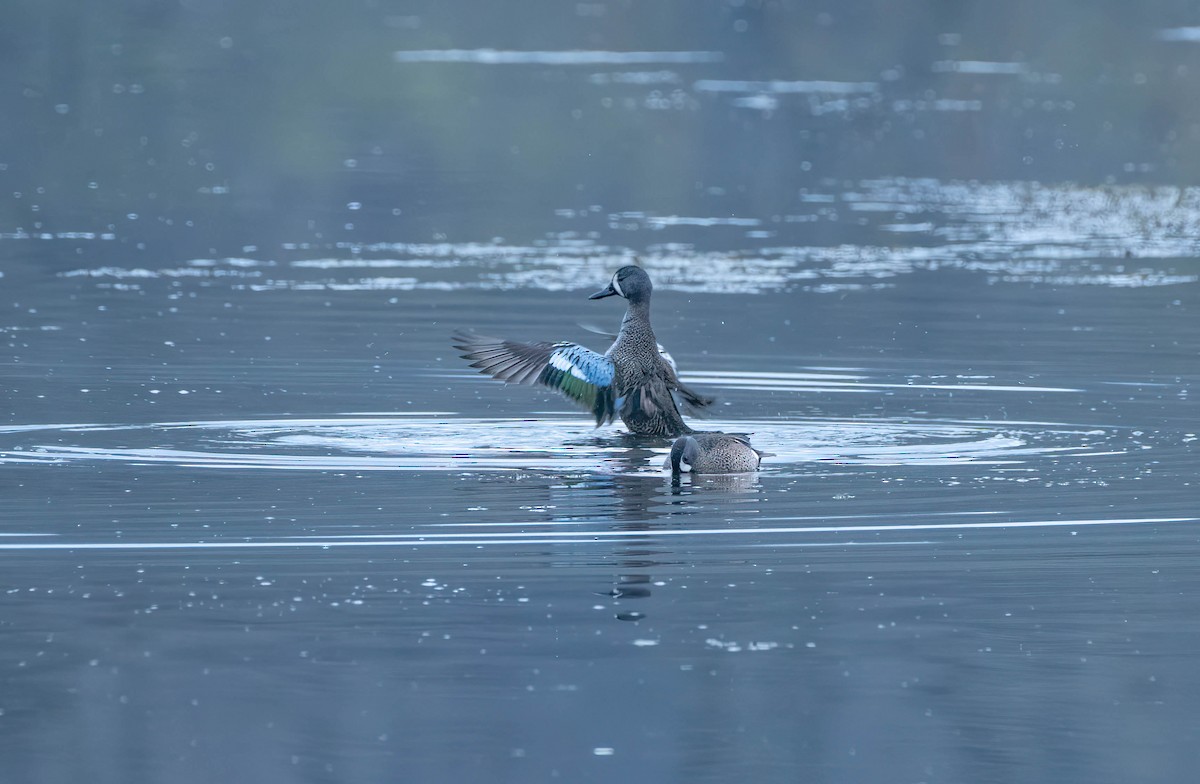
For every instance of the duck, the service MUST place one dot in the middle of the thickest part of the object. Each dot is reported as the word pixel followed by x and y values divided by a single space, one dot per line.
pixel 632 380
pixel 713 453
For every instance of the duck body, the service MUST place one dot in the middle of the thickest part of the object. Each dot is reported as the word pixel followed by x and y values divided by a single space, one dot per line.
pixel 631 380
pixel 713 453
pixel 643 381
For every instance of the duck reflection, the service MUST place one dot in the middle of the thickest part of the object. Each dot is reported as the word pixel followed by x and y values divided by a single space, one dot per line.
pixel 729 483
pixel 636 501
pixel 633 493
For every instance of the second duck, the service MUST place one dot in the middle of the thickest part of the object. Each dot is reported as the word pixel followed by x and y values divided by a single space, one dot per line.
pixel 713 453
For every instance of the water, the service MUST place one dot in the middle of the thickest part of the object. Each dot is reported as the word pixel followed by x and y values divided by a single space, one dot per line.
pixel 260 521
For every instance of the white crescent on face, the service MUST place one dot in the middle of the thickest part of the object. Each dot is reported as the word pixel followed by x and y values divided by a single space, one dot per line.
pixel 685 466
pixel 616 284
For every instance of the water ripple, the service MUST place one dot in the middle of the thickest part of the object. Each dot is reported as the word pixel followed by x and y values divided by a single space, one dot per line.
pixel 571 57
pixel 464 444
pixel 491 538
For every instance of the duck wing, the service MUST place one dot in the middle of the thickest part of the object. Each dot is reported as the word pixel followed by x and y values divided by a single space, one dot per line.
pixel 710 439
pixel 579 373
pixel 691 400
pixel 685 397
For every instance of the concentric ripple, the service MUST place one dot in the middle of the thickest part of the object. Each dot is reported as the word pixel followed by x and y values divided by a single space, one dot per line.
pixel 446 442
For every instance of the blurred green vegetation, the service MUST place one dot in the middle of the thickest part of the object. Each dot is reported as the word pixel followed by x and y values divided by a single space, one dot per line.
pixel 222 123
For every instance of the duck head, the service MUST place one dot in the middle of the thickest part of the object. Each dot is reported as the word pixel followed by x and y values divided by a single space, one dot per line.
pixel 629 282
pixel 684 452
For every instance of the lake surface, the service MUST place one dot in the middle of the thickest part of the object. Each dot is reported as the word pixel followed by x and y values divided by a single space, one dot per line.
pixel 262 523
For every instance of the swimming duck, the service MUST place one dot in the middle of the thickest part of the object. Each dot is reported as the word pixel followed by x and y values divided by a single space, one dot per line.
pixel 631 380
pixel 713 453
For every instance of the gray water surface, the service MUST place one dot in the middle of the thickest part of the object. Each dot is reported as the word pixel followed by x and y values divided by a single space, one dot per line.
pixel 262 523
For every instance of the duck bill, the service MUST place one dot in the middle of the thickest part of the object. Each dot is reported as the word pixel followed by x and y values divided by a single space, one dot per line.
pixel 608 291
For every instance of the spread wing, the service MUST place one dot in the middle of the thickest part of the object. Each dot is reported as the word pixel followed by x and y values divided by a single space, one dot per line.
pixel 579 373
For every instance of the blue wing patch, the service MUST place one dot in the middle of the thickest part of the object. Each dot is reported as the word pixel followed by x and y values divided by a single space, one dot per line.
pixel 582 375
